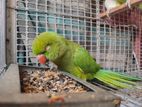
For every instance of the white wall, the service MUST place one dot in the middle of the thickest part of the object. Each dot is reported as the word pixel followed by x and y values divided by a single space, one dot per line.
pixel 2 33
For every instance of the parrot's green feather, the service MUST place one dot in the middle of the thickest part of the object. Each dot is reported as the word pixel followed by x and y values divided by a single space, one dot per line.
pixel 121 1
pixel 112 78
pixel 124 1
pixel 140 6
pixel 80 58
pixel 39 44
pixel 123 76
pixel 75 59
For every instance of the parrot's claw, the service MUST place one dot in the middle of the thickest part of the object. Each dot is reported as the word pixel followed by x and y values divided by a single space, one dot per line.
pixel 128 3
pixel 52 66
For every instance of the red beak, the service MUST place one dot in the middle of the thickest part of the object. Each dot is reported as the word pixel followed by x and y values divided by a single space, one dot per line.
pixel 42 59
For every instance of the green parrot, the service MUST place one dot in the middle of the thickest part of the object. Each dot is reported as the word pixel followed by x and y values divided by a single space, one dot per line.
pixel 75 59
pixel 140 6
pixel 110 4
pixel 128 2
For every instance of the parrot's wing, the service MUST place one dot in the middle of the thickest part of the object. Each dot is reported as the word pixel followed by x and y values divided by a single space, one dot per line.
pixel 83 60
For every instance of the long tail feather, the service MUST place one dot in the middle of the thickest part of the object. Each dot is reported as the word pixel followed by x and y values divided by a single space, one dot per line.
pixel 115 79
pixel 121 75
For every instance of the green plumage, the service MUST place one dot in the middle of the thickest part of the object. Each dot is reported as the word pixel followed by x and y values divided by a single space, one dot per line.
pixel 73 58
pixel 121 1
pixel 124 1
pixel 140 6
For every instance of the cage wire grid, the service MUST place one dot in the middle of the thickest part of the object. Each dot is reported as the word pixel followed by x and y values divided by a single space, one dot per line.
pixel 112 44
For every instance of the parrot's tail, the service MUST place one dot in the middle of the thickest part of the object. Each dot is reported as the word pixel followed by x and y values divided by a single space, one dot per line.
pixel 115 79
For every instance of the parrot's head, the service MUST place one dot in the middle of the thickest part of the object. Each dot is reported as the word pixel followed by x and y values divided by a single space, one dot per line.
pixel 48 46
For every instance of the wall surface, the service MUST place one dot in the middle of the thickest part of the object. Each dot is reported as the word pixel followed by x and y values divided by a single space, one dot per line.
pixel 10 32
pixel 2 33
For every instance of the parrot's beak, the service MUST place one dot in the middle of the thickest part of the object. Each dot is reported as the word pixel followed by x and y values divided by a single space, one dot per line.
pixel 42 59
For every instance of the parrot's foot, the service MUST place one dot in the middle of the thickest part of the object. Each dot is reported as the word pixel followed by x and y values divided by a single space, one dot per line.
pixel 52 66
pixel 128 3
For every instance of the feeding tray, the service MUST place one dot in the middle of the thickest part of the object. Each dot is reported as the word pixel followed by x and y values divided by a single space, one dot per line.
pixel 35 80
pixel 31 87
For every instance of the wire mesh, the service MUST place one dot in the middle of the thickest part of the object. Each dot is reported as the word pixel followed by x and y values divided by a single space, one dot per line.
pixel 115 44
pixel 125 28
pixel 71 18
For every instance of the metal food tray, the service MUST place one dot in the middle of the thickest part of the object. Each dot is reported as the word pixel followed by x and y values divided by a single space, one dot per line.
pixel 10 93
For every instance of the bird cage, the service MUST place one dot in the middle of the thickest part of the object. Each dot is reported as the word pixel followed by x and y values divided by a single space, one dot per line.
pixel 115 44
pixel 2 34
pixel 74 19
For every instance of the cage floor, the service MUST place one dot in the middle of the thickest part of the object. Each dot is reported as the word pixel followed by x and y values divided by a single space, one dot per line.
pixel 130 97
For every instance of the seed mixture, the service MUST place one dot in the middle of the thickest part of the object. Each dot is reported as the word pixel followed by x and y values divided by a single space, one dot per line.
pixel 50 82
